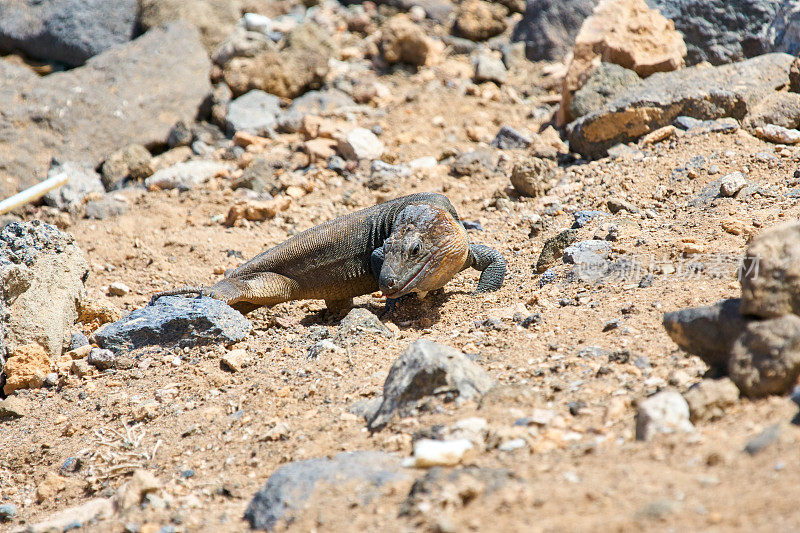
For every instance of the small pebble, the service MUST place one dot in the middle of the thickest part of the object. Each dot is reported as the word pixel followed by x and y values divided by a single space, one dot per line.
pixel 118 289
pixel 428 453
pixel 8 510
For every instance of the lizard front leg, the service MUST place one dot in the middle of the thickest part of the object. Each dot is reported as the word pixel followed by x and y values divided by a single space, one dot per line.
pixel 492 265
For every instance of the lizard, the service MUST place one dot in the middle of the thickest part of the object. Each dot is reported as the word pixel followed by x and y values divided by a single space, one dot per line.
pixel 414 243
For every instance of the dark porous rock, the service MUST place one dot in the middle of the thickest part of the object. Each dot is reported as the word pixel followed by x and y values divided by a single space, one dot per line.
pixel 130 94
pixel 554 247
pixel 508 138
pixel 77 340
pixel 702 93
pixel 475 163
pixel 175 321
pixel 709 399
pixel 110 205
pixel 765 359
pixel 288 488
pixel 255 112
pixel 65 31
pixel 533 176
pixel 707 332
pixel 81 181
pixel 359 322
pixel 426 369
pixel 605 83
pixel 42 275
pixel 725 31
pixel 771 272
pixel 548 27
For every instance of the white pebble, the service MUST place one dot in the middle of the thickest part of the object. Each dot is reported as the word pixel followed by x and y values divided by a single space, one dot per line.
pixel 428 453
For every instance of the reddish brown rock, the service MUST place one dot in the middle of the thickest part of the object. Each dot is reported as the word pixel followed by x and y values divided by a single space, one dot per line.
pixel 626 33
pixel 26 368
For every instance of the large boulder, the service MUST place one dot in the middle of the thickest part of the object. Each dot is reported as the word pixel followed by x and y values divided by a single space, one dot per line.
pixel 626 33
pixel 701 93
pixel 130 94
pixel 548 27
pixel 707 332
pixel 214 18
pixel 42 273
pixel 770 275
pixel 724 31
pixel 66 31
pixel 765 359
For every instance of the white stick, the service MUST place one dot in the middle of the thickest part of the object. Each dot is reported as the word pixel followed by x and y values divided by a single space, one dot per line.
pixel 33 193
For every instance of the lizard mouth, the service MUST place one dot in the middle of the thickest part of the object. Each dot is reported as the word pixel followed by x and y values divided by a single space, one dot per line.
pixel 402 289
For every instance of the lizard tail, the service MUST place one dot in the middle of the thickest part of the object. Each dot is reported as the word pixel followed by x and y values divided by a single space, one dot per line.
pixel 176 292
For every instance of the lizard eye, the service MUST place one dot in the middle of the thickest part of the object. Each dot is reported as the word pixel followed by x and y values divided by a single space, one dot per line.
pixel 416 249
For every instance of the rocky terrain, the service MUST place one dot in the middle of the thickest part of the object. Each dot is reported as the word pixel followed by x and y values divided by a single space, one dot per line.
pixel 637 166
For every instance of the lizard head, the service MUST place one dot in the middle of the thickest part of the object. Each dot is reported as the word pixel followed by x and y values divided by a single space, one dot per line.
pixel 426 249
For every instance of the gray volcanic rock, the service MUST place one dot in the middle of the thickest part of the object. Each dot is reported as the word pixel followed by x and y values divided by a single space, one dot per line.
pixel 724 31
pixel 707 332
pixel 702 93
pixel 426 369
pixel 175 321
pixel 66 31
pixel 129 94
pixel 548 27
pixel 292 484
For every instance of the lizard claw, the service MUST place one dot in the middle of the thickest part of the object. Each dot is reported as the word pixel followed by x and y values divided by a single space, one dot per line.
pixel 389 309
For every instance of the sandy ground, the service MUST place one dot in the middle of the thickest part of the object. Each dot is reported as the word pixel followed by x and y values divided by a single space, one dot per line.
pixel 584 473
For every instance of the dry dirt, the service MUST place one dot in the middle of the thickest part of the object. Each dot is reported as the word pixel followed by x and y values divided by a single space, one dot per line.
pixel 587 474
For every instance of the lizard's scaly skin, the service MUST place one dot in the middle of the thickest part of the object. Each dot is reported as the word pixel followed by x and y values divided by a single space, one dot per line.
pixel 332 261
